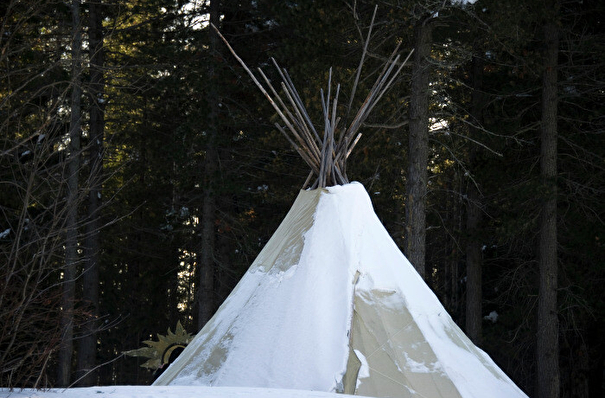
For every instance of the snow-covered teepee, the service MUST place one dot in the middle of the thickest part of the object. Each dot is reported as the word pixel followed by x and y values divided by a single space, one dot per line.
pixel 331 303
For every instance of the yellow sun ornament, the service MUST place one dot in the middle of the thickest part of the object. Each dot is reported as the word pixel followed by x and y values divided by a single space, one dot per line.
pixel 159 351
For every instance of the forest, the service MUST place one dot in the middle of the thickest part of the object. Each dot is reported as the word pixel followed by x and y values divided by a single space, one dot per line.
pixel 141 170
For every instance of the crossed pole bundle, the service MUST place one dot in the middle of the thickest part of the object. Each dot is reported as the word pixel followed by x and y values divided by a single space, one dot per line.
pixel 326 154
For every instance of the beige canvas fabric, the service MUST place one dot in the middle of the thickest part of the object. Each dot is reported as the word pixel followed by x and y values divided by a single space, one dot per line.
pixel 399 361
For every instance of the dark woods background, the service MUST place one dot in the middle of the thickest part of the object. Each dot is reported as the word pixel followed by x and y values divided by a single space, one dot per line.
pixel 141 172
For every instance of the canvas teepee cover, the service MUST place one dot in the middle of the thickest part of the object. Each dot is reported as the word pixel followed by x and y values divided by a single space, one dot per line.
pixel 331 304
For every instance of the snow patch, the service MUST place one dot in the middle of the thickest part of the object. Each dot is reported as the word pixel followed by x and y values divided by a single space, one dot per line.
pixel 493 317
pixel 364 369
pixel 167 392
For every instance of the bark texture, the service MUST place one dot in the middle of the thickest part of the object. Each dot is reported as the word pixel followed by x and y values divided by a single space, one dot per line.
pixel 474 258
pixel 71 223
pixel 416 183
pixel 206 256
pixel 548 324
pixel 473 269
pixel 92 246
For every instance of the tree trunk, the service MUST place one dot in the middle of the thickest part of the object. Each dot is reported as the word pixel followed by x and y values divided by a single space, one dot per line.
pixel 206 256
pixel 224 276
pixel 71 224
pixel 90 279
pixel 416 184
pixel 473 267
pixel 548 325
pixel 473 219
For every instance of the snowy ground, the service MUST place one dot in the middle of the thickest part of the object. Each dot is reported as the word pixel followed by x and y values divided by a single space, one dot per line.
pixel 168 392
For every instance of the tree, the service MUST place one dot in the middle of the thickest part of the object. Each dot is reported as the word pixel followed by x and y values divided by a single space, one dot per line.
pixel 36 83
pixel 207 254
pixel 417 174
pixel 474 263
pixel 418 141
pixel 72 222
pixel 87 349
pixel 548 323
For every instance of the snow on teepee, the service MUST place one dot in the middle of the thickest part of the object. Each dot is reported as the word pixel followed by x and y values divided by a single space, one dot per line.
pixel 331 304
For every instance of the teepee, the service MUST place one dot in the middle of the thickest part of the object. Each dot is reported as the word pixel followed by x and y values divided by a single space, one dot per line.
pixel 331 303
